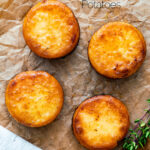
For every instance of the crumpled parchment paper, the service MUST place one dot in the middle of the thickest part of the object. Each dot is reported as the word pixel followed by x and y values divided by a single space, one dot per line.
pixel 78 79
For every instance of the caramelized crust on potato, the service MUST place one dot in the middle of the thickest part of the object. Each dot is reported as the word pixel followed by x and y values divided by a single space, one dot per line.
pixel 117 50
pixel 50 29
pixel 34 98
pixel 100 122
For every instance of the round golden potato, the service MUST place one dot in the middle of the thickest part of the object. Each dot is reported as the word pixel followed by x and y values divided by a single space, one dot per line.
pixel 34 98
pixel 100 122
pixel 50 29
pixel 117 50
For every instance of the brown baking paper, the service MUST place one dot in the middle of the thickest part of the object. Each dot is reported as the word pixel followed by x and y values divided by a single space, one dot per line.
pixel 78 79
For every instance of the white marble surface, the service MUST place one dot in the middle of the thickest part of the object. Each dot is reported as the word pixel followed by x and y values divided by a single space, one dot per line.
pixel 10 141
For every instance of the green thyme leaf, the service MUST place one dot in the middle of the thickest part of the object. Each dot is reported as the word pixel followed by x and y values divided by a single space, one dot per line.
pixel 142 124
pixel 137 120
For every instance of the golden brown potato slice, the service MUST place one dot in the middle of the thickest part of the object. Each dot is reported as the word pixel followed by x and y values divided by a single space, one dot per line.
pixel 100 122
pixel 34 98
pixel 117 50
pixel 50 29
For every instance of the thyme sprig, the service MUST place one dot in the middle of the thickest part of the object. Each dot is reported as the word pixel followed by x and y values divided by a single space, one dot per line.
pixel 138 136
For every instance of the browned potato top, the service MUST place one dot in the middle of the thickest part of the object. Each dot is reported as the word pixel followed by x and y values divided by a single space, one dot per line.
pixel 117 50
pixel 34 98
pixel 50 29
pixel 100 122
